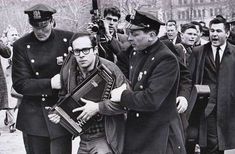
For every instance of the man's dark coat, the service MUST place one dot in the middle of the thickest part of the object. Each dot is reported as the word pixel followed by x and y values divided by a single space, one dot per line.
pixel 34 64
pixel 226 93
pixel 152 120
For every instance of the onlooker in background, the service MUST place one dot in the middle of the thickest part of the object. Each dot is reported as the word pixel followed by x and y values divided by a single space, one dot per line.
pixel 111 42
pixel 202 23
pixel 188 39
pixel 213 64
pixel 205 31
pixel 11 35
pixel 37 61
pixel 199 40
pixel 231 38
pixel 6 53
pixel 172 32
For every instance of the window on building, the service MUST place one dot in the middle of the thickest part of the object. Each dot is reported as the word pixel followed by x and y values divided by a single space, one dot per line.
pixel 195 13
pixel 187 14
pixel 199 13
pixel 180 2
pixel 211 12
pixel 201 1
pixel 220 10
pixel 212 0
pixel 185 1
pixel 179 17
pixel 183 15
pixel 203 13
pixel 195 1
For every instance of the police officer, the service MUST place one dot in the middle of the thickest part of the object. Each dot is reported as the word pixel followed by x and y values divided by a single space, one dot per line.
pixel 152 124
pixel 37 61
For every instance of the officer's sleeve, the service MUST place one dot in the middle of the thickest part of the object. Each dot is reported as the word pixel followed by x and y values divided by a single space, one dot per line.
pixel 24 80
pixel 159 85
pixel 107 107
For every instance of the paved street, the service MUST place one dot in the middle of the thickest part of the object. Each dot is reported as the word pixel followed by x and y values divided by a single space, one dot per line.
pixel 12 143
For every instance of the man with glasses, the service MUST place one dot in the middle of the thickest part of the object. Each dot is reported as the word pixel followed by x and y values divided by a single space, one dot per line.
pixel 37 60
pixel 105 136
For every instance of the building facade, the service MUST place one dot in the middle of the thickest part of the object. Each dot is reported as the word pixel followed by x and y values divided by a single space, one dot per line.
pixel 197 10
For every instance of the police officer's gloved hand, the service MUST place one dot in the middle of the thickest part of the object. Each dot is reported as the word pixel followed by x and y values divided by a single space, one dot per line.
pixel 56 82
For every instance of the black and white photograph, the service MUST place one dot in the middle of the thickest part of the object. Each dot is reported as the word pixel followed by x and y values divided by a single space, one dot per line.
pixel 117 77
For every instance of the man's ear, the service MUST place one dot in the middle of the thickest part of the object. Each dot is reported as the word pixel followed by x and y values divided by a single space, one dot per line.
pixel 152 35
pixel 53 22
pixel 96 50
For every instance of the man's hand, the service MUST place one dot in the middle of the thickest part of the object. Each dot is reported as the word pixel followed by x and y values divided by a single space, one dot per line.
pixel 88 110
pixel 117 93
pixel 89 28
pixel 53 117
pixel 55 82
pixel 182 104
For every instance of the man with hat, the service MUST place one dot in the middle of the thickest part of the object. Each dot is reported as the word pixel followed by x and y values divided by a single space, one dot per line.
pixel 153 124
pixel 37 61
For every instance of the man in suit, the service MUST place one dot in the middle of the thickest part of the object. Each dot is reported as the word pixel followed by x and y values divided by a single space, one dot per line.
pixel 172 32
pixel 37 60
pixel 213 64
pixel 153 124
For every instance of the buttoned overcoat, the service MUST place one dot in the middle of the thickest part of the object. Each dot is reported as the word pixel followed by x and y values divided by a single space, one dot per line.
pixel 225 94
pixel 152 120
pixel 34 64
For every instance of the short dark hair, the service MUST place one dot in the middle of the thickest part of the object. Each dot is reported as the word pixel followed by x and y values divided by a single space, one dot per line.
pixel 219 20
pixel 187 26
pixel 197 24
pixel 114 11
pixel 81 34
pixel 174 21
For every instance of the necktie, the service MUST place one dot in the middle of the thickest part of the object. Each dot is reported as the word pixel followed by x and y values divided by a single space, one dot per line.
pixel 217 58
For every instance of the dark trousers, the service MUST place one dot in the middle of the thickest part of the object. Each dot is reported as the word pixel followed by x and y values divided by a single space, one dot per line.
pixel 45 145
pixel 212 136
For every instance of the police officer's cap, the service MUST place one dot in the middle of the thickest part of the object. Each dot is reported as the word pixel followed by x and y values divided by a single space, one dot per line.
pixel 143 20
pixel 39 13
pixel 232 20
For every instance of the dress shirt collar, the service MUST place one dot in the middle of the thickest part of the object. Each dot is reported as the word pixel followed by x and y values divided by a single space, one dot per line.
pixel 221 51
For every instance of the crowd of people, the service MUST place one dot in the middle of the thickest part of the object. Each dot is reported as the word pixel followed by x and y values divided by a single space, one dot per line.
pixel 151 109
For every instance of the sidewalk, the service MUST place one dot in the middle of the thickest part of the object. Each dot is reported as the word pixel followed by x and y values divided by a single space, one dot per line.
pixel 12 143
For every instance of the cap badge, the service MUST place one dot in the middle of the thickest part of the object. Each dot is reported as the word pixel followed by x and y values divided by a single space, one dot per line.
pixel 37 14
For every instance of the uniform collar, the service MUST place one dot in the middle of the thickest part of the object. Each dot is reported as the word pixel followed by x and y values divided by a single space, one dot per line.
pixel 151 48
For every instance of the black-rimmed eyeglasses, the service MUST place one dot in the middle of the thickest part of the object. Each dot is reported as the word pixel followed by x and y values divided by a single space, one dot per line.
pixel 85 51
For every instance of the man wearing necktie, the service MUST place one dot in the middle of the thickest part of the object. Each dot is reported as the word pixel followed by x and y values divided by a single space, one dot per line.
pixel 213 64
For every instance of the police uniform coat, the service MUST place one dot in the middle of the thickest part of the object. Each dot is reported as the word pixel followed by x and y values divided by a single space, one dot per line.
pixel 152 121
pixel 34 64
pixel 225 94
